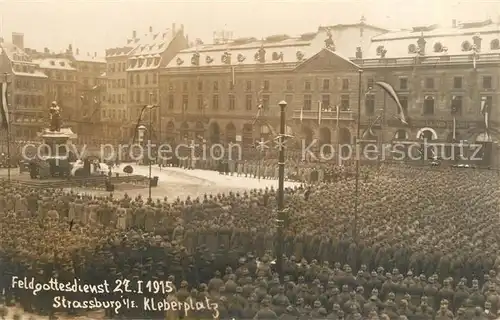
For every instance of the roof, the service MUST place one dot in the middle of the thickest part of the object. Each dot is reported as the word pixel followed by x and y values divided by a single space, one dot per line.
pixel 119 52
pixel 14 53
pixel 52 63
pixel 340 62
pixel 453 40
pixel 280 50
pixel 89 58
pixel 147 53
pixel 353 25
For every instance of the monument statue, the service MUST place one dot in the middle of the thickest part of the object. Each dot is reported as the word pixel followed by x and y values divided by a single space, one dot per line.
pixel 55 117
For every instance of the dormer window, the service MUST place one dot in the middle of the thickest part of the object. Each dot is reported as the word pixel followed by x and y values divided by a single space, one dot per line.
pixel 466 46
pixel 412 48
pixel 52 63
pixel 141 62
pixel 495 44
pixel 379 50
pixel 157 61
pixel 150 61
pixel 438 47
pixel 62 63
pixel 160 46
pixel 151 48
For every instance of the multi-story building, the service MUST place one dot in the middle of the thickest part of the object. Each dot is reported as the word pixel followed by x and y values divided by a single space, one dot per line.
pixel 217 88
pixel 441 75
pixel 114 110
pixel 27 92
pixel 152 53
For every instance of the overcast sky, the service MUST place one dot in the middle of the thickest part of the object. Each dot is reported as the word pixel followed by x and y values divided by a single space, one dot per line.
pixel 94 25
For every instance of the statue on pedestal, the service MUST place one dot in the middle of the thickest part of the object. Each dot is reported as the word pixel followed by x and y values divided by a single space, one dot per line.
pixel 55 117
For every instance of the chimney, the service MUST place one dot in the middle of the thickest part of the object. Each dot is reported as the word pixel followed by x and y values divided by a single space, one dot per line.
pixel 477 41
pixel 46 50
pixel 134 34
pixel 454 23
pixel 18 39
pixel 173 28
pixel 1 39
pixel 95 54
pixel 182 29
pixel 150 29
pixel 359 53
pixel 77 51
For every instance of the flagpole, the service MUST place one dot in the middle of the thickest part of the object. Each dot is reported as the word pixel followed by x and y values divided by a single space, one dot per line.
pixel 338 134
pixel 380 138
pixel 356 189
pixel 8 130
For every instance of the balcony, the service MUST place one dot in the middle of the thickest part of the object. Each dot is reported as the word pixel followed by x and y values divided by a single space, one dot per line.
pixel 325 115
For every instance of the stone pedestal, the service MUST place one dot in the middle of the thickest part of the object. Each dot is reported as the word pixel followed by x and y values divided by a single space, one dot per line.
pixel 57 139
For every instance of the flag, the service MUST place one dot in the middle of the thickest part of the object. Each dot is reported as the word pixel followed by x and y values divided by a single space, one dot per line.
pixel 232 76
pixel 319 111
pixel 95 100
pixel 394 96
pixel 257 116
pixel 369 131
pixel 338 119
pixel 474 59
pixel 485 110
pixel 454 129
pixel 4 107
pixel 301 113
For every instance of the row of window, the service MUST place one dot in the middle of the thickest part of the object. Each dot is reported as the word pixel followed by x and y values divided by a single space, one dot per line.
pixel 117 67
pixel 116 83
pixel 29 101
pixel 24 84
pixel 61 75
pixel 458 83
pixel 114 114
pixel 143 97
pixel 116 99
pixel 137 80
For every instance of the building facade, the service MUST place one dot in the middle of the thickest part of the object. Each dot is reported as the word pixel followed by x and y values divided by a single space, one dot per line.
pixel 443 77
pixel 27 90
pixel 152 52
pixel 213 91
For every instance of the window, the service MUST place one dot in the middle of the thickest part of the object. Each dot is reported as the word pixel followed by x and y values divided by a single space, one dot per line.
pixel 266 85
pixel 131 80
pixel 248 102
pixel 265 102
pixel 216 85
pixel 370 83
pixel 215 102
pixel 307 102
pixel 200 85
pixel 307 86
pixel 326 84
pixel 289 85
pixel 344 102
pixel 231 84
pixel 185 102
pixel 487 83
pixel 403 83
pixel 457 82
pixel 200 102
pixel 249 85
pixel 138 79
pixel 345 84
pixel 289 99
pixel 429 83
pixel 370 104
pixel 325 101
pixel 138 97
pixel 404 103
pixel 429 105
pixel 456 105
pixel 146 79
pixel 232 102
pixel 185 86
pixel 171 101
pixel 153 76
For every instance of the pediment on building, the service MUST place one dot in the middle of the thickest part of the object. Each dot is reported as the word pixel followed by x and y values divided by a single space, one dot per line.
pixel 327 60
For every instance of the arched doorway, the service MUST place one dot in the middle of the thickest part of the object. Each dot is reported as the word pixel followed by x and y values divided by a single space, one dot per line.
pixel 214 133
pixel 247 135
pixel 428 134
pixel 230 133
pixel 307 135
pixel 325 141
pixel 170 130
pixel 184 131
pixel 345 141
pixel 401 135
pixel 199 130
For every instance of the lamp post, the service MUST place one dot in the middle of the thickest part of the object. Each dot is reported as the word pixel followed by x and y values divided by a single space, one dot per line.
pixel 281 192
pixel 356 187
pixel 3 96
